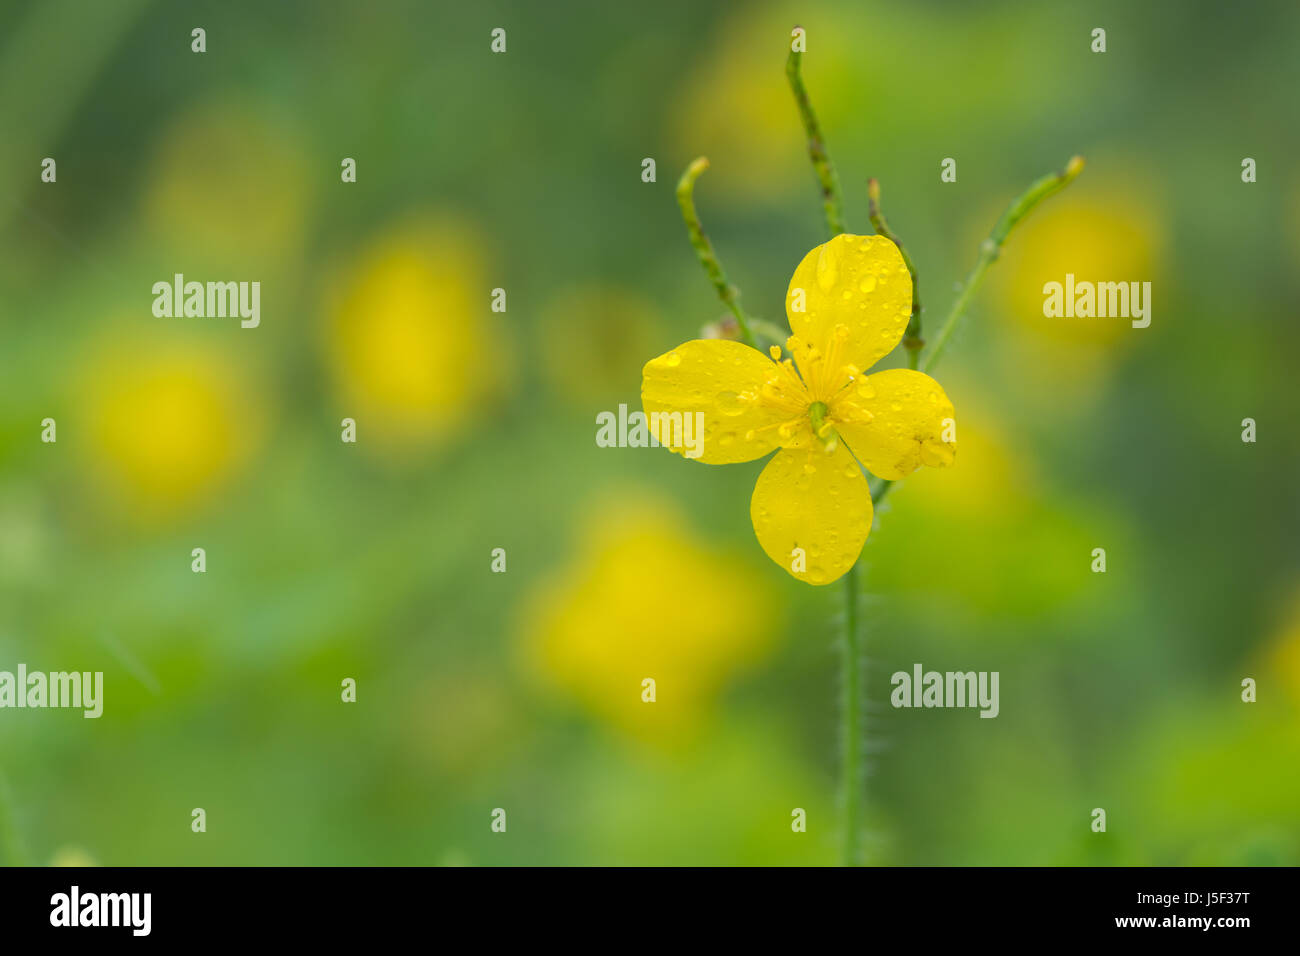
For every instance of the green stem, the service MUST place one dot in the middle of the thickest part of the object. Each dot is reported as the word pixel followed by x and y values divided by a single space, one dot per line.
pixel 851 730
pixel 832 204
pixel 912 340
pixel 704 249
pixel 991 247
pixel 852 695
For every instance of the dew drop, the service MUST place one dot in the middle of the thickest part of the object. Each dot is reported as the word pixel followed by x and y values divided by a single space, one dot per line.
pixel 730 404
pixel 828 267
pixel 936 454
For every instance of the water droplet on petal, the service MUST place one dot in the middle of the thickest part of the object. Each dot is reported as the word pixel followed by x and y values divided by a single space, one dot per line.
pixel 828 267
pixel 730 404
pixel 936 454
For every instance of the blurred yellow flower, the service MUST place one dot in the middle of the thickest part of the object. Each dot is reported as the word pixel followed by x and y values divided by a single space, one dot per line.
pixel 1284 658
pixel 848 304
pixel 644 599
pixel 1104 231
pixel 239 173
pixel 165 425
pixel 411 340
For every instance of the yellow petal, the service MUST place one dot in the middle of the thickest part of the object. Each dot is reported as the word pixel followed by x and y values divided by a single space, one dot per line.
pixel 859 282
pixel 910 416
pixel 812 512
pixel 701 400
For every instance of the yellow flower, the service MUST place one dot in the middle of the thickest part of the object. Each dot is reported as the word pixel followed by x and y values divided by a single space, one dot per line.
pixel 414 348
pixel 848 304
pixel 645 599
pixel 166 426
pixel 1111 230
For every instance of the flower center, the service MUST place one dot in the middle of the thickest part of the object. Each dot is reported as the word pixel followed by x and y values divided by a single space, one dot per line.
pixel 807 387
pixel 822 429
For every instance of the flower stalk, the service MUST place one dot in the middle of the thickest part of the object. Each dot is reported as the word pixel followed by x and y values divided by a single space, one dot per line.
pixel 704 249
pixel 912 340
pixel 832 203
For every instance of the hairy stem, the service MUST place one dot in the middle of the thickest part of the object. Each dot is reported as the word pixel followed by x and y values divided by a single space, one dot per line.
pixel 912 340
pixel 832 204
pixel 991 248
pixel 704 249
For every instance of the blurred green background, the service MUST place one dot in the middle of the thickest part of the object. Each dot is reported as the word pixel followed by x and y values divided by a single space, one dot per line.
pixel 476 431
